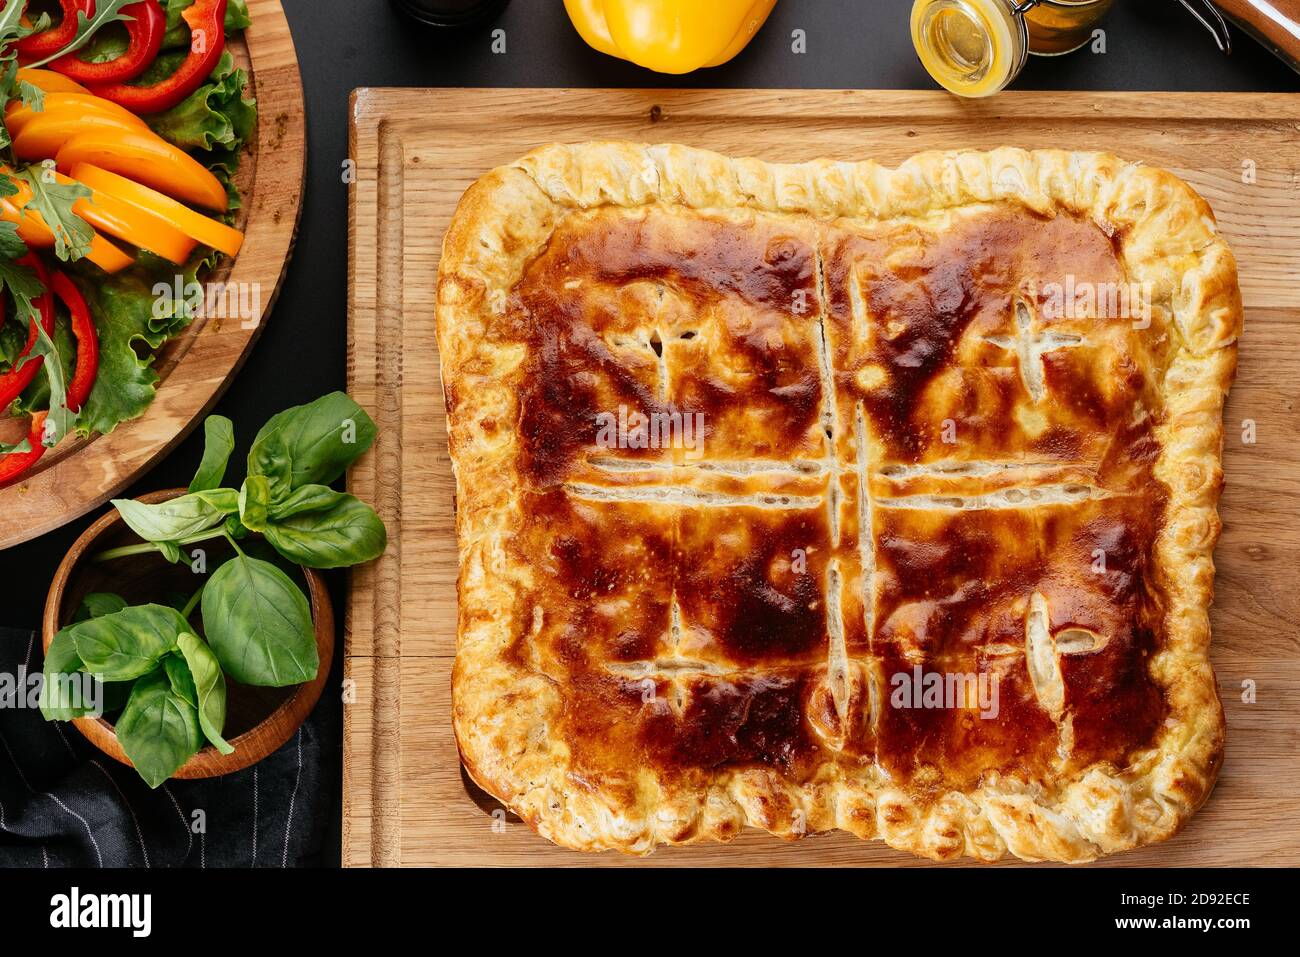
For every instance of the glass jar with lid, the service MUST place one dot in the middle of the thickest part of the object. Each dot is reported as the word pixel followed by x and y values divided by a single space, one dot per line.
pixel 977 47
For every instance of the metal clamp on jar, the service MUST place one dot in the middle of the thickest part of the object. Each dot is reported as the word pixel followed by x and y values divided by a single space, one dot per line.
pixel 977 47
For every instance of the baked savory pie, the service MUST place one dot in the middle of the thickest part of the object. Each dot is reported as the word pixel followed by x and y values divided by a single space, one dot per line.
pixel 835 496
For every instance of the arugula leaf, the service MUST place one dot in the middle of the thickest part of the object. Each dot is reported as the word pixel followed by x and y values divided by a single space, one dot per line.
pixel 12 27
pixel 21 284
pixel 54 201
pixel 11 244
pixel 33 96
pixel 61 419
pixel 11 20
pixel 159 730
pixel 219 442
pixel 36 397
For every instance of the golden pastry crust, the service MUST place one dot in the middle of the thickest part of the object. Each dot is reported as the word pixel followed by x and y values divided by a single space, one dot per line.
pixel 639 660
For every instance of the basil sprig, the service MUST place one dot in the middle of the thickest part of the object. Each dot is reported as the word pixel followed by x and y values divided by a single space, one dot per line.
pixel 170 677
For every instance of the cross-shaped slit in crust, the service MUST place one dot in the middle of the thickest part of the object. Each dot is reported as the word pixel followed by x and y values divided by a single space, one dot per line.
pixel 1031 346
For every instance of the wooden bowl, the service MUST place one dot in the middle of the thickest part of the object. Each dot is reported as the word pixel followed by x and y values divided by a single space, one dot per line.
pixel 258 720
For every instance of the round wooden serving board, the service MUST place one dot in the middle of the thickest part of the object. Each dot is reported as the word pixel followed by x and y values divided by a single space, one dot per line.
pixel 195 368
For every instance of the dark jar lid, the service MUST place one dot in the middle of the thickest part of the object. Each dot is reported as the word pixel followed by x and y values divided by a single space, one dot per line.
pixel 450 13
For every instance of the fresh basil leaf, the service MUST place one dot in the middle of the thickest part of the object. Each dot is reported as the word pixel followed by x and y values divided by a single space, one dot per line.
pixel 258 624
pixel 179 518
pixel 116 695
pixel 128 643
pixel 210 683
pixel 97 605
pixel 63 684
pixel 317 442
pixel 254 500
pixel 321 528
pixel 270 459
pixel 170 551
pixel 219 442
pixel 178 675
pixel 159 730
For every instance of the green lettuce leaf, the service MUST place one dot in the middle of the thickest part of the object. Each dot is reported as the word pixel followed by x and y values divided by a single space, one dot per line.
pixel 178 31
pixel 216 118
pixel 123 306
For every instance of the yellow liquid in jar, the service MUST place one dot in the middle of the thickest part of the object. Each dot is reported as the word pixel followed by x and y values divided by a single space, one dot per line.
pixel 972 47
pixel 1059 26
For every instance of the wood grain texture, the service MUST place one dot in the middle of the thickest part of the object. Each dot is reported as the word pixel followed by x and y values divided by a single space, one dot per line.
pixel 258 720
pixel 196 368
pixel 405 798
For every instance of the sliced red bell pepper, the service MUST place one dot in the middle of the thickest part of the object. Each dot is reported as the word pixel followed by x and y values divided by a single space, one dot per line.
pixel 145 32
pixel 16 463
pixel 207 22
pixel 13 382
pixel 83 328
pixel 51 41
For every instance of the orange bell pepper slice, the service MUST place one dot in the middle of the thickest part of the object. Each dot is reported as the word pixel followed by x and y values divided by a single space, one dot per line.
pixel 49 81
pixel 202 228
pixel 131 224
pixel 69 104
pixel 148 159
pixel 43 136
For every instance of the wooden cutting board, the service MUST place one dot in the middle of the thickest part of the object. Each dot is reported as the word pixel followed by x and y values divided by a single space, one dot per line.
pixel 196 367
pixel 406 800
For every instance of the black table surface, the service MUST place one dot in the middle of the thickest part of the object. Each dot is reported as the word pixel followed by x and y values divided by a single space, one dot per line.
pixel 345 44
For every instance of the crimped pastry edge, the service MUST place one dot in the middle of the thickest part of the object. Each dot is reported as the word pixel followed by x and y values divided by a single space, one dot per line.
pixel 501 712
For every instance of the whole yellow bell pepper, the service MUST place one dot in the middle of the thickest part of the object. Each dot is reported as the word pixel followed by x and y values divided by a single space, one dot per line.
pixel 669 36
